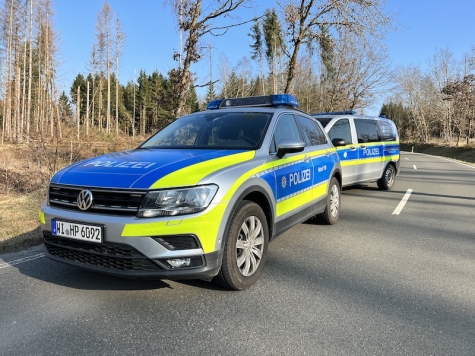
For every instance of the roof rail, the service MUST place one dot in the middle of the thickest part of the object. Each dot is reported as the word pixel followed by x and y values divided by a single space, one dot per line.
pixel 347 112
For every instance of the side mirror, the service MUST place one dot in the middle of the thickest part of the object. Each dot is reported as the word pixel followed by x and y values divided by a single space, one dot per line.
pixel 287 145
pixel 338 142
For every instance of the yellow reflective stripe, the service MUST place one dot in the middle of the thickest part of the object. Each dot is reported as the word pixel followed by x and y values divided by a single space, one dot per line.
pixel 204 226
pixel 271 165
pixel 41 217
pixel 385 143
pixel 391 158
pixel 299 200
pixel 193 174
pixel 354 162
pixel 294 202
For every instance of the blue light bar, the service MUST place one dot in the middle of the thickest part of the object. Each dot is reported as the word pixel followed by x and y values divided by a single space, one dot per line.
pixel 214 104
pixel 265 100
pixel 284 99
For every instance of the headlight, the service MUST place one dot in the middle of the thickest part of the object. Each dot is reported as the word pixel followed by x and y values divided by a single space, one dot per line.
pixel 177 201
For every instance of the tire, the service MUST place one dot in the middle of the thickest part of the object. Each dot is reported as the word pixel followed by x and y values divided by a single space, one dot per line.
pixel 245 248
pixel 388 178
pixel 332 210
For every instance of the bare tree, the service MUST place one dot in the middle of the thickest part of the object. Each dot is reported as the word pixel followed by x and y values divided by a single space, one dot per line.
pixel 304 18
pixel 364 72
pixel 197 21
pixel 119 46
pixel 30 74
pixel 443 70
pixel 419 94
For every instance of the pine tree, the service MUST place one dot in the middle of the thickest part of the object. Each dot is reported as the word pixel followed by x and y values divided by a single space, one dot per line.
pixel 274 42
pixel 257 54
pixel 79 82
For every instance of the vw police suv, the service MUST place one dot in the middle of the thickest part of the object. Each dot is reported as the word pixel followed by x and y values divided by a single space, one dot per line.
pixel 199 199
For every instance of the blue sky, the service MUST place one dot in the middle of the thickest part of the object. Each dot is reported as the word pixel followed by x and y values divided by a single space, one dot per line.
pixel 152 35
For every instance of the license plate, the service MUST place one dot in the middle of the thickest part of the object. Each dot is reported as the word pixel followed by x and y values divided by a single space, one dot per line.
pixel 77 231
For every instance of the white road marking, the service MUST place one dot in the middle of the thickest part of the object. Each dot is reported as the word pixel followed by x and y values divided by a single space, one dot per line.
pixel 449 159
pixel 406 158
pixel 21 260
pixel 414 166
pixel 402 203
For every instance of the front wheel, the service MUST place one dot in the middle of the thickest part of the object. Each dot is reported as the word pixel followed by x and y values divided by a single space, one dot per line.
pixel 386 182
pixel 332 210
pixel 245 247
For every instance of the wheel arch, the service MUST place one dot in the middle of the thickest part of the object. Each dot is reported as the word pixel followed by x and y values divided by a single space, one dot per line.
pixel 338 176
pixel 254 191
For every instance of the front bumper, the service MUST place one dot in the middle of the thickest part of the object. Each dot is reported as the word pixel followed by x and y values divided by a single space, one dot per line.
pixel 123 260
pixel 133 256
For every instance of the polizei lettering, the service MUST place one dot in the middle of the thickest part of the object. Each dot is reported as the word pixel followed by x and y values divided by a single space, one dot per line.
pixel 371 152
pixel 118 164
pixel 299 177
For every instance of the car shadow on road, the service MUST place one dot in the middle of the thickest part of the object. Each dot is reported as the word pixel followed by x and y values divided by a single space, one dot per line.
pixel 46 270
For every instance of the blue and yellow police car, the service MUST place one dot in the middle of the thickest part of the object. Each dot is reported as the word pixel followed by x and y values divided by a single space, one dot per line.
pixel 368 147
pixel 199 199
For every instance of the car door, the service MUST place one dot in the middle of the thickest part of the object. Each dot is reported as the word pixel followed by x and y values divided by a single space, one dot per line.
pixel 294 171
pixel 348 154
pixel 318 148
pixel 370 162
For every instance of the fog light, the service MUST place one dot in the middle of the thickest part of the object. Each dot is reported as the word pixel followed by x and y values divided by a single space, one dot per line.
pixel 179 262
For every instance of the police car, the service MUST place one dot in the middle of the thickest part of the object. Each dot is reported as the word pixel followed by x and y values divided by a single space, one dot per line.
pixel 200 199
pixel 368 147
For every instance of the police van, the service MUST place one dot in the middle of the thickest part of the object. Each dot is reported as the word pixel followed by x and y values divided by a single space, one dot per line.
pixel 368 147
pixel 201 198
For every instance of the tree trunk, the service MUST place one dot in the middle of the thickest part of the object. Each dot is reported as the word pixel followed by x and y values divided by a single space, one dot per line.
pixel 30 76
pixel 87 110
pixel 78 110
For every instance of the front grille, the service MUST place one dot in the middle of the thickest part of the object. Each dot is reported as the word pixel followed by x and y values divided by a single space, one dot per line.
pixel 112 256
pixel 104 201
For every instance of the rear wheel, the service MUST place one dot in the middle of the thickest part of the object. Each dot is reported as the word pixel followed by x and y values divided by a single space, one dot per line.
pixel 245 247
pixel 332 210
pixel 386 182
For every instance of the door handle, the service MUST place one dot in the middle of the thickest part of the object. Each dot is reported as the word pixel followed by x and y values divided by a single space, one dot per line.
pixel 362 146
pixel 352 148
pixel 306 158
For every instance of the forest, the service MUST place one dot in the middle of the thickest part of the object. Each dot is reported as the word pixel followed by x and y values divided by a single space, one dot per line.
pixel 331 60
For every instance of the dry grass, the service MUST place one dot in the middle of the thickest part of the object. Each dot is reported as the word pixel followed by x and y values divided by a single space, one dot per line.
pixel 25 171
pixel 19 225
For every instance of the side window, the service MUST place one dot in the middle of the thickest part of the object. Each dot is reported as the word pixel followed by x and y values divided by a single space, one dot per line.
pixel 388 131
pixel 322 138
pixel 341 129
pixel 373 131
pixel 286 127
pixel 362 130
pixel 311 132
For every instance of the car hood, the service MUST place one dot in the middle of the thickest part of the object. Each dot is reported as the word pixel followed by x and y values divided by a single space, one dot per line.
pixel 149 168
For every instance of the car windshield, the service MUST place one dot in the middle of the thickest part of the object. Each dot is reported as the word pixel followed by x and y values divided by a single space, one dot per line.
pixel 213 129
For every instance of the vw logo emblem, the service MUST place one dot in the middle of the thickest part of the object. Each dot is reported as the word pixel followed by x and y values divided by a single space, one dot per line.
pixel 85 199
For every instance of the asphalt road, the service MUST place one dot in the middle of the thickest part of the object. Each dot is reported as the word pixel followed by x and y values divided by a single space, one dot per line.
pixel 377 283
